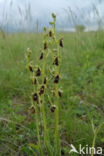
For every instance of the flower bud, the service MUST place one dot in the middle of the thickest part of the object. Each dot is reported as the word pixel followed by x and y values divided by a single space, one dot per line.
pixel 53 15
pixel 45 29
pixel 29 51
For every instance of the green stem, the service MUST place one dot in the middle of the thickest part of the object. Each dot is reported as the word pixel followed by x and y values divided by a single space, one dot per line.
pixel 37 123
pixel 93 144
pixel 46 136
pixel 37 128
pixel 57 134
pixel 95 135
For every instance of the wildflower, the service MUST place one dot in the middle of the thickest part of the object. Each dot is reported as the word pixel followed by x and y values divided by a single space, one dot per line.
pixel 33 109
pixel 30 68
pixel 45 45
pixel 35 97
pixel 41 90
pixel 56 79
pixel 34 81
pixel 56 61
pixel 61 43
pixel 50 33
pixel 53 108
pixel 38 72
pixel 45 80
pixel 59 93
pixel 41 56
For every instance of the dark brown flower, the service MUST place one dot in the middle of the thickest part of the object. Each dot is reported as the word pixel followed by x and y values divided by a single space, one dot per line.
pixel 45 46
pixel 38 72
pixel 50 33
pixel 41 90
pixel 61 43
pixel 56 61
pixel 56 79
pixel 53 109
pixel 34 81
pixel 33 109
pixel 59 93
pixel 35 97
pixel 41 56
pixel 45 80
pixel 30 68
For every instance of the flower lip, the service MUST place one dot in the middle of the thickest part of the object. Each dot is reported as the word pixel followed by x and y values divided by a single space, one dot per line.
pixel 50 33
pixel 45 29
pixel 53 108
pixel 45 46
pixel 41 56
pixel 60 93
pixel 41 90
pixel 33 109
pixel 61 43
pixel 34 81
pixel 56 79
pixel 38 72
pixel 45 80
pixel 56 61
pixel 35 97
pixel 30 68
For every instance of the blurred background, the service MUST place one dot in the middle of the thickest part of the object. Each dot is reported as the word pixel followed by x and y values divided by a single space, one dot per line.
pixel 32 15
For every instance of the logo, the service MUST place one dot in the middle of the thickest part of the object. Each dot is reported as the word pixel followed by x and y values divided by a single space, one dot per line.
pixel 86 150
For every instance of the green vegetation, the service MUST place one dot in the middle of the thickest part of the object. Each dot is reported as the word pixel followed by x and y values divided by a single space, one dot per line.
pixel 45 79
pixel 80 28
pixel 81 104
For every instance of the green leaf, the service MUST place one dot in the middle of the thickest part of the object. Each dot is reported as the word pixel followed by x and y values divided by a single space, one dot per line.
pixel 34 147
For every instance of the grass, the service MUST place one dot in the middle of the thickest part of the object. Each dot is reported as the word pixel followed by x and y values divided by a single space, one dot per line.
pixel 82 82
